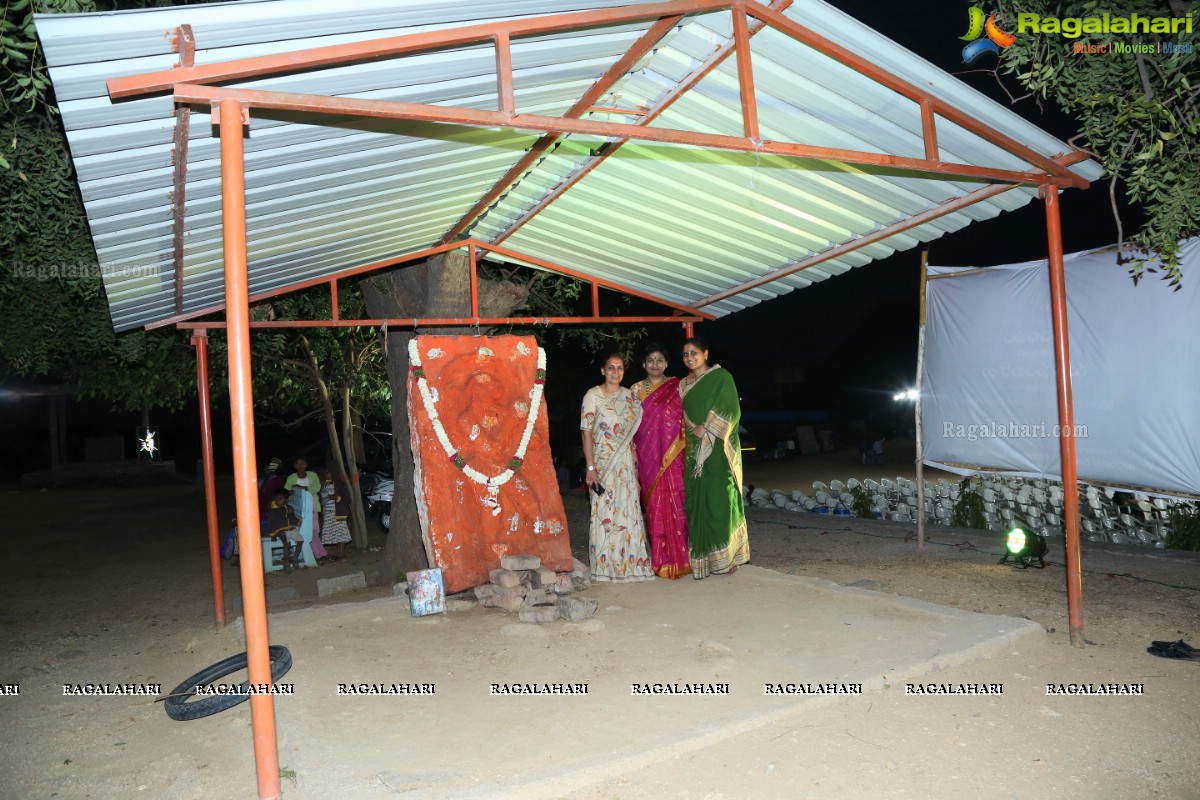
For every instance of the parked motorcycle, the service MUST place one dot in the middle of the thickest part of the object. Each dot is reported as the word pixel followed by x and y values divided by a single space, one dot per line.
pixel 377 497
pixel 375 477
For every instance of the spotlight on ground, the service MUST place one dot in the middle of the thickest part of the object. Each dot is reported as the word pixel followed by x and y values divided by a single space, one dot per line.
pixel 1023 548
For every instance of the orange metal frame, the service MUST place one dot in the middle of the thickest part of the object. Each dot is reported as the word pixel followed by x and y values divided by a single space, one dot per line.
pixel 231 107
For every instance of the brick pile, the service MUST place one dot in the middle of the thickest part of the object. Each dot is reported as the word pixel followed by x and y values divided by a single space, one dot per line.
pixel 537 594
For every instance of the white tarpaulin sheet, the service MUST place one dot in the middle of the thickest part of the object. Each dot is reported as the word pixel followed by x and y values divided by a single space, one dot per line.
pixel 988 394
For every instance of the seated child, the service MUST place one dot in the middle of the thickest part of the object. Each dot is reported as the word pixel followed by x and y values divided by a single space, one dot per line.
pixel 283 526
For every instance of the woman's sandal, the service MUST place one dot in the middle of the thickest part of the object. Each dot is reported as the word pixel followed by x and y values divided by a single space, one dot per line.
pixel 1174 651
pixel 1181 645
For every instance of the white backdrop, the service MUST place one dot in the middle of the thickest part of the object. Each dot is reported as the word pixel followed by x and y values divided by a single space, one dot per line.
pixel 988 393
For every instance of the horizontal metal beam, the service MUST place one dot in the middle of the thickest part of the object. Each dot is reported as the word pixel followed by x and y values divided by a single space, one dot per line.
pixel 336 55
pixel 583 276
pixel 179 320
pixel 430 322
pixel 258 297
pixel 480 118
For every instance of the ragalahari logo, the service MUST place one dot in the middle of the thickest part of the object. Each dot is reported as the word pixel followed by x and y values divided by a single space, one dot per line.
pixel 994 41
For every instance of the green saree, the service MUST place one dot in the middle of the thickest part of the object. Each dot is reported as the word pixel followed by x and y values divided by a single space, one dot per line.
pixel 713 474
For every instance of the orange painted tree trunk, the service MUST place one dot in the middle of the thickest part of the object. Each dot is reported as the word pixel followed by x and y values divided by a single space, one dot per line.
pixel 438 287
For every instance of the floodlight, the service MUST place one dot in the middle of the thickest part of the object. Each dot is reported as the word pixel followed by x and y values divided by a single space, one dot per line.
pixel 1023 547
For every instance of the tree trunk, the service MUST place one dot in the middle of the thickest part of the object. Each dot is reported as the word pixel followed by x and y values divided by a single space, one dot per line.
pixel 439 287
pixel 358 516
pixel 326 410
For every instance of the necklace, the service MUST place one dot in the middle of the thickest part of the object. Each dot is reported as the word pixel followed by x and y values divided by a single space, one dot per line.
pixel 428 398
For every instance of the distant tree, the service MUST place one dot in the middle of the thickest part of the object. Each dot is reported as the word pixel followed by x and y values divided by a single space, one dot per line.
pixel 331 372
pixel 53 316
pixel 1137 112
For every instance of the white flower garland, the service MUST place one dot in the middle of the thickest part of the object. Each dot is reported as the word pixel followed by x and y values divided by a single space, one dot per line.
pixel 494 482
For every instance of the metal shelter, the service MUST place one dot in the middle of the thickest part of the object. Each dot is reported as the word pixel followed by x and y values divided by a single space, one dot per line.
pixel 704 154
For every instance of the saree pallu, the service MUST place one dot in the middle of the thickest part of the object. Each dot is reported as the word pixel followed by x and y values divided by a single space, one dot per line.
pixel 713 475
pixel 660 444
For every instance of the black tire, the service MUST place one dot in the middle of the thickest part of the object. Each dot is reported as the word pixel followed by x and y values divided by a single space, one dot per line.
pixel 177 706
pixel 385 517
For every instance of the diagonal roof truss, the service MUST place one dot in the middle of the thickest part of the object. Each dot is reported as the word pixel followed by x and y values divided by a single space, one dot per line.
pixel 711 154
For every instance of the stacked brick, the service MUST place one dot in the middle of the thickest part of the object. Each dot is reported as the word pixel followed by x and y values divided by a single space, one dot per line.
pixel 537 594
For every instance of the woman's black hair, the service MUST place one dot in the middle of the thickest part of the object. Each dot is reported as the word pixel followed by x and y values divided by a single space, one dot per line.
pixel 699 341
pixel 651 348
pixel 613 354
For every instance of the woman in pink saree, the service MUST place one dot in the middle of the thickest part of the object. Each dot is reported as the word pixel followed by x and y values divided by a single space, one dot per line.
pixel 660 444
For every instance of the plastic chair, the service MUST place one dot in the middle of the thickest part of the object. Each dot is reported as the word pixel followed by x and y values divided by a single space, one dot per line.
pixel 272 555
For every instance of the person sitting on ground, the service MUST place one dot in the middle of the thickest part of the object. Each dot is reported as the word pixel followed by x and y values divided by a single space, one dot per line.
pixel 283 527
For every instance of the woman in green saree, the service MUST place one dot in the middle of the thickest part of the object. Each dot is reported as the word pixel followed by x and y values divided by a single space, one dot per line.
pixel 713 466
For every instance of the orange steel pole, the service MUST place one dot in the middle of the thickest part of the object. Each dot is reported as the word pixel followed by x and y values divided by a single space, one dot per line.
pixel 333 299
pixel 471 256
pixel 237 312
pixel 504 78
pixel 929 130
pixel 1066 415
pixel 200 340
pixel 688 330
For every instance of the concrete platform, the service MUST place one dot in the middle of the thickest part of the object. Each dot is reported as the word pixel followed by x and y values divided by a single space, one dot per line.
pixel 755 628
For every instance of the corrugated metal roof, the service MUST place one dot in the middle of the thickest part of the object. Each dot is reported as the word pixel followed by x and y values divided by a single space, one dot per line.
pixel 679 223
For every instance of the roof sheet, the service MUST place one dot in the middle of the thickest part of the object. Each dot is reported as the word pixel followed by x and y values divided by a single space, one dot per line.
pixel 679 223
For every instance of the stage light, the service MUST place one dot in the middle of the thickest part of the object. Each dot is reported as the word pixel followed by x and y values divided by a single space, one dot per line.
pixel 1023 547
pixel 906 395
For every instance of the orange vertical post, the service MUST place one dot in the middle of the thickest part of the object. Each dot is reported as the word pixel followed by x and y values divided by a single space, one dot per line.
pixel 1066 414
pixel 200 340
pixel 237 313
pixel 688 330
pixel 472 257
pixel 504 76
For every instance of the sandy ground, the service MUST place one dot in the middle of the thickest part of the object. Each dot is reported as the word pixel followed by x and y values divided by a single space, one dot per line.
pixel 113 587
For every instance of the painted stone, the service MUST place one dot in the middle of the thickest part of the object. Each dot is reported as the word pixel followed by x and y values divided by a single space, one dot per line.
pixel 480 390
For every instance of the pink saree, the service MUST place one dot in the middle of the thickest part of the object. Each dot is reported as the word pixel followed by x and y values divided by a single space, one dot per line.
pixel 659 442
